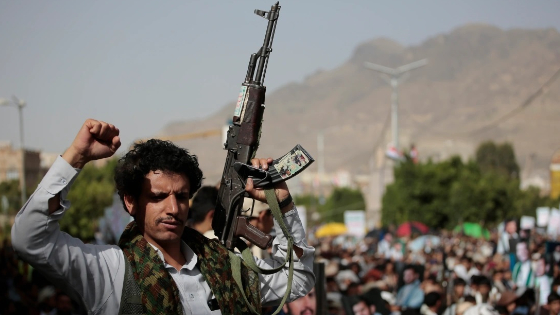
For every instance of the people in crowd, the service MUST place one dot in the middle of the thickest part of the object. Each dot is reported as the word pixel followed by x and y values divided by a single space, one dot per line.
pixel 523 274
pixel 410 295
pixel 306 305
pixel 202 210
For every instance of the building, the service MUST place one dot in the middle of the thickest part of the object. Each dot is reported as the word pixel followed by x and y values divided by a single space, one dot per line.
pixel 11 164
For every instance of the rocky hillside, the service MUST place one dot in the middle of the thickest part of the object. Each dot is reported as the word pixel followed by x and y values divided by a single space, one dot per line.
pixel 472 89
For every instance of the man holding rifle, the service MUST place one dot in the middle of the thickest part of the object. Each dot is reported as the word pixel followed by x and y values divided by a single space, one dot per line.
pixel 159 266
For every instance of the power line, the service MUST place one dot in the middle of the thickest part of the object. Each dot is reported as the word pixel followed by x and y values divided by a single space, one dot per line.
pixel 498 121
pixel 521 107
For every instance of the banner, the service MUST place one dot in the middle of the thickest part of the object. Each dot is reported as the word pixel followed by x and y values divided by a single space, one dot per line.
pixel 527 223
pixel 355 221
pixel 553 223
pixel 543 215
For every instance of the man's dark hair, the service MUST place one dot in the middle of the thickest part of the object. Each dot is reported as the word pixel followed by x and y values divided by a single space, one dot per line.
pixel 502 310
pixel 482 280
pixel 475 280
pixel 470 298
pixel 203 202
pixel 553 296
pixel 431 299
pixel 154 155
pixel 411 267
pixel 459 281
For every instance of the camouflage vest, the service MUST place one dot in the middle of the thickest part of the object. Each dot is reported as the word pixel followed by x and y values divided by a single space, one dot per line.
pixel 157 292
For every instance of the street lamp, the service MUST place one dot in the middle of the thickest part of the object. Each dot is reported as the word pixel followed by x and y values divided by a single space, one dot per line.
pixel 394 77
pixel 20 104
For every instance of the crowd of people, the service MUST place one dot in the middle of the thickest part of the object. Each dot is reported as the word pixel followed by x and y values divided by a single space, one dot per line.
pixel 460 275
pixel 451 273
pixel 23 290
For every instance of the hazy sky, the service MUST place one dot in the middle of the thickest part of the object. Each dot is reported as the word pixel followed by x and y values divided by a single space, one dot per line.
pixel 141 64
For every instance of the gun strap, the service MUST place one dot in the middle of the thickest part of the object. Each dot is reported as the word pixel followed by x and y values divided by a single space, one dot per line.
pixel 250 261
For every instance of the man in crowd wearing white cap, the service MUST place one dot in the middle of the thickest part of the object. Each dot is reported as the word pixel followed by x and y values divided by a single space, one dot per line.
pixel 384 246
pixel 47 301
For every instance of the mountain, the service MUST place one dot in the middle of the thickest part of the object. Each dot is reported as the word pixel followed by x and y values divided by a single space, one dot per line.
pixel 473 89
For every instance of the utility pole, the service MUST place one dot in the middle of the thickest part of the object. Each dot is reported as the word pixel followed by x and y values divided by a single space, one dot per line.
pixel 20 104
pixel 395 77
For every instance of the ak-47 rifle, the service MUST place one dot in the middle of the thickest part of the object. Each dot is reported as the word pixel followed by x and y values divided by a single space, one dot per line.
pixel 242 142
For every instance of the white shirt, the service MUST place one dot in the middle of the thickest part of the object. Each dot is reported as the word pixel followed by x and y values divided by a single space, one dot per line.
pixel 384 248
pixel 543 284
pixel 524 271
pixel 93 274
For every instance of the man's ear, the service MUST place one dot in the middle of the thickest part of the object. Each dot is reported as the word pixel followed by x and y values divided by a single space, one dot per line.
pixel 131 206
pixel 210 215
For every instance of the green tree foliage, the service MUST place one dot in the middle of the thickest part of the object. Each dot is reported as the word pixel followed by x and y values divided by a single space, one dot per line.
pixel 499 158
pixel 444 194
pixel 90 194
pixel 10 190
pixel 486 198
pixel 421 192
pixel 340 200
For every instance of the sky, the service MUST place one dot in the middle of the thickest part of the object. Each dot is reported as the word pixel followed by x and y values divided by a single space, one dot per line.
pixel 143 64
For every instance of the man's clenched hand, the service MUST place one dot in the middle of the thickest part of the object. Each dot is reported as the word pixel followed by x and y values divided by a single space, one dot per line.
pixel 95 140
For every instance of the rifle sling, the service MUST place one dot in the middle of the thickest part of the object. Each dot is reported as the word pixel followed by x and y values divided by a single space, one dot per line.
pixel 250 261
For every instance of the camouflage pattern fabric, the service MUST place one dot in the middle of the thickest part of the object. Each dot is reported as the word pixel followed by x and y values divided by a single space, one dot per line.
pixel 160 294
pixel 215 266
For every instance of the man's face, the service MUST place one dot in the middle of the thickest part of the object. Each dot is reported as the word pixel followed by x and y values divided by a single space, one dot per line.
pixel 361 308
pixel 64 304
pixel 554 307
pixel 266 220
pixel 389 238
pixel 459 290
pixel 540 267
pixel 522 251
pixel 162 208
pixel 484 289
pixel 409 276
pixel 303 306
pixel 511 227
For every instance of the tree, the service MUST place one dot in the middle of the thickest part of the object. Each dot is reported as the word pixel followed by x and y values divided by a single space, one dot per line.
pixel 497 158
pixel 420 192
pixel 340 200
pixel 444 194
pixel 486 198
pixel 90 194
pixel 10 190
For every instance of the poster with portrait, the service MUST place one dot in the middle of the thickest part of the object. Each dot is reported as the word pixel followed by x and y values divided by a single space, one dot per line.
pixel 553 223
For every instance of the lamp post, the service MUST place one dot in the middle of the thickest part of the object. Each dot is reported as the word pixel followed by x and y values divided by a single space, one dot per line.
pixel 20 104
pixel 394 77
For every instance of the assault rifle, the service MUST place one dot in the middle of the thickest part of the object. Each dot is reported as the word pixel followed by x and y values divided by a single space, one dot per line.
pixel 242 142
